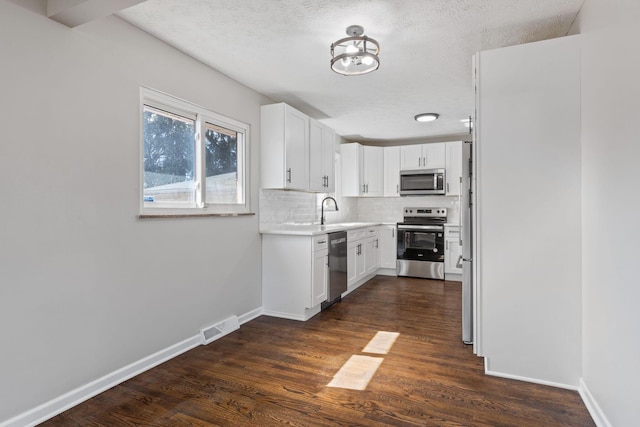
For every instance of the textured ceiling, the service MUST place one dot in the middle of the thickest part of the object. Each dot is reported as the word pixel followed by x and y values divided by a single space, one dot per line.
pixel 281 48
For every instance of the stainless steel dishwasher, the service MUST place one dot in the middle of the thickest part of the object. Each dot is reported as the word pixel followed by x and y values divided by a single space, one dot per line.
pixel 337 268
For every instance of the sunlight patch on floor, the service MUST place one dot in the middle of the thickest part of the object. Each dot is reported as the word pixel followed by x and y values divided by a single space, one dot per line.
pixel 356 373
pixel 381 343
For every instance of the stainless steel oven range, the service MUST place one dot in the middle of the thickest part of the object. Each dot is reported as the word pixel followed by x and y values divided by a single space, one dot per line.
pixel 421 243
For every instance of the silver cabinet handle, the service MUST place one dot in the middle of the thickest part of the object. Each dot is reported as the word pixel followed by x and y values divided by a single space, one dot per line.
pixel 289 175
pixel 393 233
pixel 377 244
pixel 397 189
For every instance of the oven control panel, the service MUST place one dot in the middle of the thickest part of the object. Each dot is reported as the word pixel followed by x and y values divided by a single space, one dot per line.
pixel 425 212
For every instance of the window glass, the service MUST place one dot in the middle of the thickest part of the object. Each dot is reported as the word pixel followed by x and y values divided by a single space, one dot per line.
pixel 168 157
pixel 224 177
pixel 193 159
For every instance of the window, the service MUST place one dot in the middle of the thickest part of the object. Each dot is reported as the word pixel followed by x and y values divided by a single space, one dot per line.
pixel 193 160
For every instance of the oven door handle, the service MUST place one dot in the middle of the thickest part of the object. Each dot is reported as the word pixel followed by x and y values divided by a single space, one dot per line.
pixel 421 227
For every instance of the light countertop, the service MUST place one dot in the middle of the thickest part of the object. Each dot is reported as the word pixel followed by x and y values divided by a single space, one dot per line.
pixel 314 229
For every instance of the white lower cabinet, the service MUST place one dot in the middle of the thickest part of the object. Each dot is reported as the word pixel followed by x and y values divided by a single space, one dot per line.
pixel 355 261
pixel 363 255
pixel 388 249
pixel 452 253
pixel 294 275
pixel 320 275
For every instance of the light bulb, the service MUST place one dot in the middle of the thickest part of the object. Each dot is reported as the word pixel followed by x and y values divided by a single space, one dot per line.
pixel 367 60
pixel 352 49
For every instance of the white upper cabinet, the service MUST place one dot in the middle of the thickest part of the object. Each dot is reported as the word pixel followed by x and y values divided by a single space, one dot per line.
pixel 284 142
pixel 321 157
pixel 453 173
pixel 297 152
pixel 422 156
pixel 373 171
pixel 391 171
pixel 362 170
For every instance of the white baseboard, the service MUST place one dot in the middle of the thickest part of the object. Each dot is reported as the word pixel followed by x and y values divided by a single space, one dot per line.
pixel 309 313
pixel 488 371
pixel 592 406
pixel 387 272
pixel 250 315
pixel 357 284
pixel 68 400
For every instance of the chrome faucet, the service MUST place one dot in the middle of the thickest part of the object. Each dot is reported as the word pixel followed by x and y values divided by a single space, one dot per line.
pixel 322 208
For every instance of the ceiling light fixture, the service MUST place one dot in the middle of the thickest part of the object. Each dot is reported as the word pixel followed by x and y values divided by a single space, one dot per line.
pixel 356 54
pixel 426 117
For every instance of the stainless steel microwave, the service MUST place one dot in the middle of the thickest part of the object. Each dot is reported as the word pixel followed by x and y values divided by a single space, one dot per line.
pixel 421 182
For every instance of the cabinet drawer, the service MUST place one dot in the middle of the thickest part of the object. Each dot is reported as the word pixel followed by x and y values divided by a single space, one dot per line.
pixel 451 231
pixel 357 234
pixel 372 232
pixel 320 242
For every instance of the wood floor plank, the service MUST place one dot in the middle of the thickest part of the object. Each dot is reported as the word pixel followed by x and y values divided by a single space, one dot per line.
pixel 275 372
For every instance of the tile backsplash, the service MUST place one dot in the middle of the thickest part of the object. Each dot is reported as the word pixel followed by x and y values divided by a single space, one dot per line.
pixel 391 209
pixel 281 206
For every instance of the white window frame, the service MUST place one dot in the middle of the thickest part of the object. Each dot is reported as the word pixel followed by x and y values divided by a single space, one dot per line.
pixel 201 115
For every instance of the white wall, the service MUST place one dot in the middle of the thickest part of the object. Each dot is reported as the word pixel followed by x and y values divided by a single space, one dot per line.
pixel 87 287
pixel 528 178
pixel 611 207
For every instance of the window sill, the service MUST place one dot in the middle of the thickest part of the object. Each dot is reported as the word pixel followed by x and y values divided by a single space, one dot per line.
pixel 199 215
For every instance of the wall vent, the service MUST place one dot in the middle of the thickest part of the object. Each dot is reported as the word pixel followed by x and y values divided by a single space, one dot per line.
pixel 212 333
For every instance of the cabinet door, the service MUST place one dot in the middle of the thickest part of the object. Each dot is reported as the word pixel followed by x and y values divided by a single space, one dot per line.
pixel 296 149
pixel 434 155
pixel 352 185
pixel 452 254
pixel 355 261
pixel 371 255
pixel 411 157
pixel 328 158
pixel 388 246
pixel 373 171
pixel 317 179
pixel 453 172
pixel 320 277
pixel 391 171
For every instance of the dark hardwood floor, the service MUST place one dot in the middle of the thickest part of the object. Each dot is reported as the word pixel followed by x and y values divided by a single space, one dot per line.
pixel 275 372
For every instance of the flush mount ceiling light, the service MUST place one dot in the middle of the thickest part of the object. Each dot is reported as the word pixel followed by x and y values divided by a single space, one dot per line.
pixel 356 54
pixel 426 117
